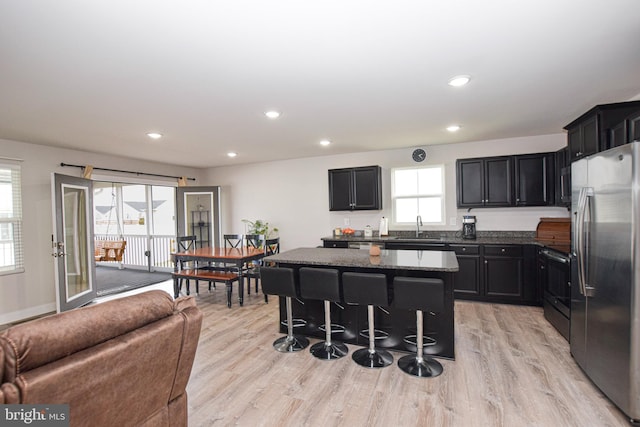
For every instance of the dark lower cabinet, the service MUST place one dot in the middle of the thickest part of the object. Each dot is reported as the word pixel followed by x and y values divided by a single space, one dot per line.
pixel 503 272
pixel 468 279
pixel 492 273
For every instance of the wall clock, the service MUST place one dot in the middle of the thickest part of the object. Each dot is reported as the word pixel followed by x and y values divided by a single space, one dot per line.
pixel 419 155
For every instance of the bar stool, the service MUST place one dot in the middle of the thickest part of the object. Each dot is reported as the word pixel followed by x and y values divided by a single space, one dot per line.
pixel 281 281
pixel 369 289
pixel 323 284
pixel 413 293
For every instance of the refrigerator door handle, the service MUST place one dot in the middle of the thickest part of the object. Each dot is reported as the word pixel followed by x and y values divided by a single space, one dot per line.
pixel 582 243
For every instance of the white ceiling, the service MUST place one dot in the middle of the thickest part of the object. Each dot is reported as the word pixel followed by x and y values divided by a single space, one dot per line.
pixel 368 75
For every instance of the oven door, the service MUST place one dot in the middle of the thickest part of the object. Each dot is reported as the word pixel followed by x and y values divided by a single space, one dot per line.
pixel 558 281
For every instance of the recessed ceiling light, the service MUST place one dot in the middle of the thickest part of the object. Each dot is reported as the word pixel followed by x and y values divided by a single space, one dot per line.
pixel 459 80
pixel 232 154
pixel 154 135
pixel 453 128
pixel 272 114
pixel 325 142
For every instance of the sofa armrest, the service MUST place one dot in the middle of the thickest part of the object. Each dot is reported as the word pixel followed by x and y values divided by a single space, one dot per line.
pixel 191 334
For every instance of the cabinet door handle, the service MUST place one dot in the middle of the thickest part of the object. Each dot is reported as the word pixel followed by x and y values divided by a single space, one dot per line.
pixel 502 250
pixel 486 262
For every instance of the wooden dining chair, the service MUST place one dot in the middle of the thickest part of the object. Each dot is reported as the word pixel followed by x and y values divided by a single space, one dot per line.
pixel 187 243
pixel 271 247
pixel 251 270
pixel 254 240
pixel 233 240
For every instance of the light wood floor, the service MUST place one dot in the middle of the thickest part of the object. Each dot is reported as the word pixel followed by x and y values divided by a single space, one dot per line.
pixel 511 369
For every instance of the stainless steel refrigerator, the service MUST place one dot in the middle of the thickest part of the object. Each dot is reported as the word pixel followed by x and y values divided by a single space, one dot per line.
pixel 605 290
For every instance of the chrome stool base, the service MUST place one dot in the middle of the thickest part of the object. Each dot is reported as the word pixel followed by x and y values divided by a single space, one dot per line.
pixel 376 359
pixel 288 344
pixel 424 367
pixel 325 351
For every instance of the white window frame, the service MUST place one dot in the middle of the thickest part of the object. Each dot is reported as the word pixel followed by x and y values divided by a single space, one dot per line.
pixel 14 219
pixel 394 197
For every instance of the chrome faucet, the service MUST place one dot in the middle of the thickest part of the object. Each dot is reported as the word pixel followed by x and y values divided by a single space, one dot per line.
pixel 418 224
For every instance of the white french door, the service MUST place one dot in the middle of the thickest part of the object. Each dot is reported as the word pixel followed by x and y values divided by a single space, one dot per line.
pixel 72 241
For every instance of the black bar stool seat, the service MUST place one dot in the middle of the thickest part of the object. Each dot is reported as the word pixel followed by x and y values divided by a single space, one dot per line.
pixel 419 294
pixel 323 284
pixel 281 281
pixel 370 289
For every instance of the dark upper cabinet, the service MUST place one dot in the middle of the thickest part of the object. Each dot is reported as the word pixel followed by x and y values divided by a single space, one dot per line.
pixel 583 138
pixel 522 180
pixel 470 182
pixel 498 180
pixel 484 182
pixel 634 127
pixel 626 131
pixel 563 178
pixel 618 135
pixel 534 179
pixel 603 127
pixel 355 189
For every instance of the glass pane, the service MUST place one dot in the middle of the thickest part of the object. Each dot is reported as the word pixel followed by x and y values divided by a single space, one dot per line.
pixel 164 225
pixel 134 206
pixel 430 181
pixel 430 209
pixel 75 241
pixel 198 210
pixel 7 252
pixel 105 214
pixel 406 210
pixel 405 182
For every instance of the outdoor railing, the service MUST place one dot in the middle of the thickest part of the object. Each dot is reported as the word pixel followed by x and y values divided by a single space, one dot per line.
pixel 135 253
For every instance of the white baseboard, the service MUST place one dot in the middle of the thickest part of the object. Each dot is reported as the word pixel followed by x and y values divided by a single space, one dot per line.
pixel 28 313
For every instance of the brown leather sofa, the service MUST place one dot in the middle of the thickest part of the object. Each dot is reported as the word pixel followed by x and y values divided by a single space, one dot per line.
pixel 124 362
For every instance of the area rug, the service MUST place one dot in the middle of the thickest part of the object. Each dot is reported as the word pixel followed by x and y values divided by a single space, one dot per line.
pixel 112 280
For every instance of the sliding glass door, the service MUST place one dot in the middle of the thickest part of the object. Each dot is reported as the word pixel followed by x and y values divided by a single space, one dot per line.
pixel 141 215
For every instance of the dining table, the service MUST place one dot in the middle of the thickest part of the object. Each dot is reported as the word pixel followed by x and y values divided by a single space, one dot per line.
pixel 237 257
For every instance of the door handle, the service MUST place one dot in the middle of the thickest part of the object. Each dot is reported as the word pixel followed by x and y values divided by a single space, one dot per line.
pixel 58 248
pixel 582 230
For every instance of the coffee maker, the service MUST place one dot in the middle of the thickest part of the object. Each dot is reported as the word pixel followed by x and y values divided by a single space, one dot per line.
pixel 468 227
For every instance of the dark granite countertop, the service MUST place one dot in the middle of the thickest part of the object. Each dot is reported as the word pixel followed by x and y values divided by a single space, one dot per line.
pixel 483 238
pixel 388 259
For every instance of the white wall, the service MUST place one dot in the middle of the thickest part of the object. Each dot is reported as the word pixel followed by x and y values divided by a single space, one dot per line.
pixel 293 194
pixel 33 292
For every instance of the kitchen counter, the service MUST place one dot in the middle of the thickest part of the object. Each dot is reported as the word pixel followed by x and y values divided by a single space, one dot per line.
pixel 397 324
pixel 483 238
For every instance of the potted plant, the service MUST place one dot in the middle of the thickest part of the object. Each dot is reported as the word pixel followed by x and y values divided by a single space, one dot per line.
pixel 260 227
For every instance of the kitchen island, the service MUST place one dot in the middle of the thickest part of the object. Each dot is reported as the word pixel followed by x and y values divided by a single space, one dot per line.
pixel 394 326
